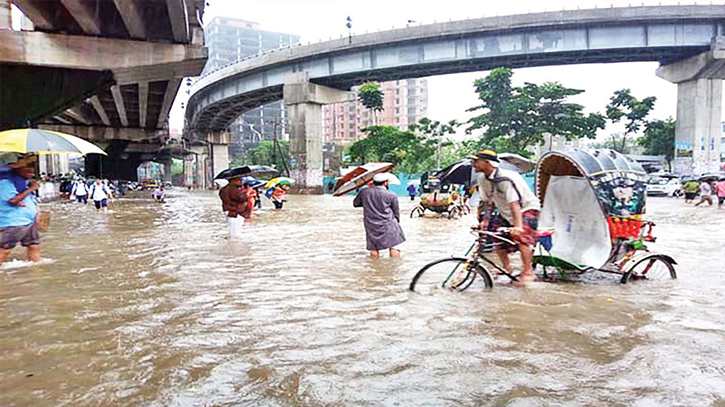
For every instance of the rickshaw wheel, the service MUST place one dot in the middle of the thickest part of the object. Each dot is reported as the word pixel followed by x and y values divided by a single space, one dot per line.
pixel 454 212
pixel 449 274
pixel 654 267
pixel 417 210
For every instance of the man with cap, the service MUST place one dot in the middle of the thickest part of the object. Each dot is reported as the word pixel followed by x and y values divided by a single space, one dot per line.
pixel 19 210
pixel 517 208
pixel 381 217
pixel 235 204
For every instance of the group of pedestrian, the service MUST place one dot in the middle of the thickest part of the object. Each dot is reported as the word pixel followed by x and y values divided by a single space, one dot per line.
pixel 507 201
pixel 100 192
pixel 707 190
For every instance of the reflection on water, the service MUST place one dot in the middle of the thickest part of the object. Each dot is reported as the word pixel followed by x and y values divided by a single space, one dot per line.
pixel 151 305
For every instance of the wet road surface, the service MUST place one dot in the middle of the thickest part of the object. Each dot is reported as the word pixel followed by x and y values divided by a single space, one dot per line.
pixel 151 305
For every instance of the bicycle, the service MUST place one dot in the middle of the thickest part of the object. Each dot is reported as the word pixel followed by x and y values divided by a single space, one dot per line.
pixel 459 273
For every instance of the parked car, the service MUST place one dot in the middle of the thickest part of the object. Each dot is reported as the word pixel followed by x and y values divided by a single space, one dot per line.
pixel 660 186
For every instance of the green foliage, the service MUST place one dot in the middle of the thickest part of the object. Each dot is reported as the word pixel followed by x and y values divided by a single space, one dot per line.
pixel 410 152
pixel 177 166
pixel 623 106
pixel 617 142
pixel 265 154
pixel 371 96
pixel 433 135
pixel 659 138
pixel 515 118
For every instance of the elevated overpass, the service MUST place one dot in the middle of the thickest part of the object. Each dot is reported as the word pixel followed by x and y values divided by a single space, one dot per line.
pixel 309 76
pixel 106 70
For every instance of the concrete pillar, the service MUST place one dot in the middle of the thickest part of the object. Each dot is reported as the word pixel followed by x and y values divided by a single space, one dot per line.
pixel 219 158
pixel 699 109
pixel 168 168
pixel 6 20
pixel 304 102
pixel 699 128
pixel 200 178
pixel 188 178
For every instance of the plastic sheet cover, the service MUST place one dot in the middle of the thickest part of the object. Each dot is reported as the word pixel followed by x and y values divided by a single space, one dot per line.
pixel 581 234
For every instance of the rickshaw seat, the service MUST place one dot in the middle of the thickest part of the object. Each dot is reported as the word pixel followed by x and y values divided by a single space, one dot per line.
pixel 551 261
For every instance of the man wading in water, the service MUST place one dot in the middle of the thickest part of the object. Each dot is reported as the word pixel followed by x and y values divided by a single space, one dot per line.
pixel 235 204
pixel 382 217
pixel 517 206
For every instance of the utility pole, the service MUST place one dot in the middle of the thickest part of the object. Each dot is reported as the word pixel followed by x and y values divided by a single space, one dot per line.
pixel 349 30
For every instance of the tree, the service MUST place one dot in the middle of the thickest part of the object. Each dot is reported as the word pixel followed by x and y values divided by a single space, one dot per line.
pixel 659 139
pixel 265 154
pixel 434 132
pixel 371 97
pixel 617 142
pixel 410 152
pixel 515 118
pixel 623 106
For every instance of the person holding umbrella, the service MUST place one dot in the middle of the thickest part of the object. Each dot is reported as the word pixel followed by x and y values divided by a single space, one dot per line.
pixel 381 216
pixel 19 210
pixel 235 203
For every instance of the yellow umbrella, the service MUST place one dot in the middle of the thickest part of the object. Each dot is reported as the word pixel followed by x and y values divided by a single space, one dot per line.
pixel 279 181
pixel 45 142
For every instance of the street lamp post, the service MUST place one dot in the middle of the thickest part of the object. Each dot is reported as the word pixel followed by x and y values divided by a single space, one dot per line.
pixel 349 30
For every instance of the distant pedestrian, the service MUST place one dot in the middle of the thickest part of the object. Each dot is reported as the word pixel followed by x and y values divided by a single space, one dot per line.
pixel 381 217
pixel 79 191
pixel 720 190
pixel 159 194
pixel 100 194
pixel 691 188
pixel 412 191
pixel 705 193
pixel 19 211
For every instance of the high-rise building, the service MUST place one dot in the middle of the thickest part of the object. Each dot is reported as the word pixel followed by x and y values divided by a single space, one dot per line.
pixel 404 103
pixel 230 40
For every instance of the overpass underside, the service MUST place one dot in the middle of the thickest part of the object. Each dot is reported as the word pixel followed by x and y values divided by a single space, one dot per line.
pixel 105 70
pixel 664 34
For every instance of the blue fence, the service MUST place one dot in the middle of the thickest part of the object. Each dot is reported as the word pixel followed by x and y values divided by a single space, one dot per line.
pixel 401 190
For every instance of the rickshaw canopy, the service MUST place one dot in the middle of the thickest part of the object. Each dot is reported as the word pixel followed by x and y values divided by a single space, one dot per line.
pixel 589 198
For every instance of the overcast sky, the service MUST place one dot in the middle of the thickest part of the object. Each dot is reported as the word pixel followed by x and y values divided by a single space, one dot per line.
pixel 451 95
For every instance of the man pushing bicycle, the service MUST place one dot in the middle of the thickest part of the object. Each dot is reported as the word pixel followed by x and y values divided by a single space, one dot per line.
pixel 517 208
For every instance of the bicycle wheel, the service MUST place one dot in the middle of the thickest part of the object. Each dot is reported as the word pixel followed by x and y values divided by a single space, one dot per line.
pixel 450 274
pixel 651 268
pixel 416 211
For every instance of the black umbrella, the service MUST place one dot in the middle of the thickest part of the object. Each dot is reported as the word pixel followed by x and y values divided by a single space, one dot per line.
pixel 462 172
pixel 257 171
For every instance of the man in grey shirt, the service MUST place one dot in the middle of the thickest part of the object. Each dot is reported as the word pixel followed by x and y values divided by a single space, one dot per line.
pixel 518 208
pixel 381 217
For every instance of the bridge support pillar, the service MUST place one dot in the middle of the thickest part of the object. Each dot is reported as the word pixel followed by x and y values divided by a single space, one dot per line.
pixel 188 175
pixel 699 109
pixel 168 167
pixel 304 102
pixel 202 160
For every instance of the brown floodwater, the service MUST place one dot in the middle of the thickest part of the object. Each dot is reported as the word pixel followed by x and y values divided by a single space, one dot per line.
pixel 151 305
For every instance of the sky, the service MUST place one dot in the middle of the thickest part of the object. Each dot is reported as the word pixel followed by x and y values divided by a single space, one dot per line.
pixel 450 95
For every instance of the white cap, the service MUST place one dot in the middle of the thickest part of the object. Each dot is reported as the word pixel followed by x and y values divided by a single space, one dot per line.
pixel 381 177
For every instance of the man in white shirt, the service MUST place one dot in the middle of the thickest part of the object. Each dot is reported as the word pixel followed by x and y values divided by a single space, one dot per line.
pixel 705 193
pixel 518 208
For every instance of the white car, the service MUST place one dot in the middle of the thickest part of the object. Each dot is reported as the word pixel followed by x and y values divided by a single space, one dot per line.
pixel 658 186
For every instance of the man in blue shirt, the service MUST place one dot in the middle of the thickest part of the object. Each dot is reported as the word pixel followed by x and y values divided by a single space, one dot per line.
pixel 18 211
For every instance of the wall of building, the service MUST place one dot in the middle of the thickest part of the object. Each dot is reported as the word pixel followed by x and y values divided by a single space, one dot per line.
pixel 404 103
pixel 230 40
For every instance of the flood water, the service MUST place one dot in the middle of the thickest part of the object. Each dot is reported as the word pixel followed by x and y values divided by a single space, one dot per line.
pixel 151 305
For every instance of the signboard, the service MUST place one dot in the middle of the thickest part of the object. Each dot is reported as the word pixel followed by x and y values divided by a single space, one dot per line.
pixel 683 149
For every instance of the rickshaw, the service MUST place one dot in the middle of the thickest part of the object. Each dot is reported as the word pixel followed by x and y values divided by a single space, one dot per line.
pixel 593 202
pixel 438 199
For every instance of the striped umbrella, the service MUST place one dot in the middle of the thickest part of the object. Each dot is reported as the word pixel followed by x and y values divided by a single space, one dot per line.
pixel 45 142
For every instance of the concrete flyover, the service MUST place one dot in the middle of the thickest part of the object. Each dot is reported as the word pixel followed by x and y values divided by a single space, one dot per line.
pixel 666 34
pixel 105 70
